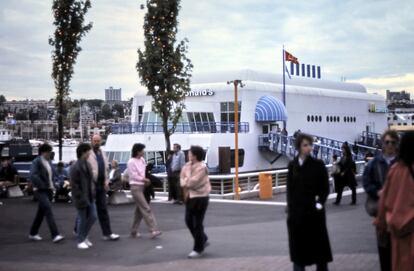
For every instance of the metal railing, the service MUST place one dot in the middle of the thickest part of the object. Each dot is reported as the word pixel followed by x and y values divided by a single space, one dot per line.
pixel 182 127
pixel 223 185
pixel 324 148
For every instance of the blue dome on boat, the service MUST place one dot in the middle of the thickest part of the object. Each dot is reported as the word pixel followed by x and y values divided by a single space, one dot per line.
pixel 270 109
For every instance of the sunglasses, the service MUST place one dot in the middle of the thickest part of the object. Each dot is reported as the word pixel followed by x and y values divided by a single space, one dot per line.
pixel 390 142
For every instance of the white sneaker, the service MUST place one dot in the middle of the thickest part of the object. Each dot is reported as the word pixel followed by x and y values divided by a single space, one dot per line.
pixel 194 255
pixel 111 237
pixel 36 237
pixel 83 245
pixel 58 238
pixel 89 243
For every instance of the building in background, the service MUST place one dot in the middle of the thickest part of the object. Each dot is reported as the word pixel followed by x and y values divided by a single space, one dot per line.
pixel 113 95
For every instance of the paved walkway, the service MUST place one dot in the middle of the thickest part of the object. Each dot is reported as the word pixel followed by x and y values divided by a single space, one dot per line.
pixel 243 237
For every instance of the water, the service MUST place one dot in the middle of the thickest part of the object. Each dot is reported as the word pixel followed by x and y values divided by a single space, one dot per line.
pixel 68 154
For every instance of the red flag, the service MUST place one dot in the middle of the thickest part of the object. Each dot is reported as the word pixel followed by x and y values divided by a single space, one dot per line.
pixel 291 58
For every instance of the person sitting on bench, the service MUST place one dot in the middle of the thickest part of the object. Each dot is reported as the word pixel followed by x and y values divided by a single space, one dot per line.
pixel 62 183
pixel 8 175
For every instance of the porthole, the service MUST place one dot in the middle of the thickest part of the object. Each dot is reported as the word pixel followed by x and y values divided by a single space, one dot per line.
pixel 320 118
pixel 354 119
pixel 337 118
pixel 327 118
pixel 312 118
pixel 345 119
pixel 330 119
pixel 308 118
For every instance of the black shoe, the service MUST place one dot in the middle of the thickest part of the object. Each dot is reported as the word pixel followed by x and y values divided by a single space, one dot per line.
pixel 353 203
pixel 336 203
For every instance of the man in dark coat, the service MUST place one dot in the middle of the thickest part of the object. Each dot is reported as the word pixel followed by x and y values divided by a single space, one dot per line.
pixel 307 191
pixel 83 194
pixel 41 176
pixel 346 175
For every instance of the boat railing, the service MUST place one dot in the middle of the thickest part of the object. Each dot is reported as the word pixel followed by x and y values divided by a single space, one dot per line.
pixel 182 127
pixel 324 148
pixel 223 186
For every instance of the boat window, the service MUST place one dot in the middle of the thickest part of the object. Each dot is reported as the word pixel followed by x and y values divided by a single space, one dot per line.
pixel 211 117
pixel 354 119
pixel 345 118
pixel 308 118
pixel 320 118
pixel 150 157
pixel 125 156
pixel 241 157
pixel 327 118
pixel 159 158
pixel 117 156
pixel 110 156
pixel 204 117
pixel 312 118
pixel 223 107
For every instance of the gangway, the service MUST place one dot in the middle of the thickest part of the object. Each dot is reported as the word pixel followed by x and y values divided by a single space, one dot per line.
pixel 324 148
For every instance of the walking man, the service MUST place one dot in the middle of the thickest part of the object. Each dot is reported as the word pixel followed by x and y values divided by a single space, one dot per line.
pixel 83 195
pixel 374 177
pixel 41 176
pixel 98 162
pixel 177 163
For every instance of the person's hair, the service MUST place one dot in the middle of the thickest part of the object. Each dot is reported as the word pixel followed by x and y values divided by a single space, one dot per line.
pixel 406 153
pixel 60 164
pixel 302 137
pixel 45 148
pixel 198 152
pixel 391 133
pixel 82 148
pixel 347 149
pixel 178 145
pixel 335 156
pixel 138 147
pixel 115 162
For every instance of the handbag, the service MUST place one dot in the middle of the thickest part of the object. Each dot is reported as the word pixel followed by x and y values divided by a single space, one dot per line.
pixel 371 206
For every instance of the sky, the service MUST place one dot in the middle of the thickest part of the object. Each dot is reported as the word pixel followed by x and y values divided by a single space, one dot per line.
pixel 367 41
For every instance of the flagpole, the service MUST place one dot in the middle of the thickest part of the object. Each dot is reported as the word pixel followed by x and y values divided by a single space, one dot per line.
pixel 284 83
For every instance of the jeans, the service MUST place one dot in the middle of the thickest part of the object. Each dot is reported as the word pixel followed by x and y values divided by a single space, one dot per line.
pixel 319 267
pixel 85 220
pixel 142 210
pixel 194 217
pixel 102 211
pixel 44 210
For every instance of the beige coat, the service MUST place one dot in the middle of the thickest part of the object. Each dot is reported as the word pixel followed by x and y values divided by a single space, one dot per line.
pixel 194 178
pixel 94 165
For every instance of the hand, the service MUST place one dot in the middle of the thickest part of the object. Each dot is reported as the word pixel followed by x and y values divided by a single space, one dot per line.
pixel 147 181
pixel 106 186
pixel 379 193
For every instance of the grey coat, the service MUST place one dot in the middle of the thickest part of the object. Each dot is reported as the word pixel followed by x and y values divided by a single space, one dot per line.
pixel 82 184
pixel 39 175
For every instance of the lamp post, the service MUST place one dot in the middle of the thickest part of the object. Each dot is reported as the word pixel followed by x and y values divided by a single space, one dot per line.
pixel 236 83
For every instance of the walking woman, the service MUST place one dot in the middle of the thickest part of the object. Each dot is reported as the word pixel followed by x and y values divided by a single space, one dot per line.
pixel 137 182
pixel 346 175
pixel 396 212
pixel 194 180
pixel 307 191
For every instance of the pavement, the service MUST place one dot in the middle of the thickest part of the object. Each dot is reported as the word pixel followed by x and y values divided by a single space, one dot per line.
pixel 243 236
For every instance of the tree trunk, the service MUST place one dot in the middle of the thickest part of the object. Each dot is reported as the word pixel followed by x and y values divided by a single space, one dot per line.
pixel 166 133
pixel 60 124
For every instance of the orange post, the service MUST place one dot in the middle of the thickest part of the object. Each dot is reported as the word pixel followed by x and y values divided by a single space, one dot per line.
pixel 236 140
pixel 265 186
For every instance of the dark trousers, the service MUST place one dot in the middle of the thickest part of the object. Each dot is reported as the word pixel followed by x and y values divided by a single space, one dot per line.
pixel 174 186
pixel 86 219
pixel 340 190
pixel 384 250
pixel 44 210
pixel 102 211
pixel 194 217
pixel 319 267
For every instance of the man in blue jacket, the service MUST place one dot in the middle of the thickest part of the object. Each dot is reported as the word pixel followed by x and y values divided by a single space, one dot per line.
pixel 41 176
pixel 374 178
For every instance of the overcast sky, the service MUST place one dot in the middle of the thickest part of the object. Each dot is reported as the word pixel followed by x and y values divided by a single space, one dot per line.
pixel 367 41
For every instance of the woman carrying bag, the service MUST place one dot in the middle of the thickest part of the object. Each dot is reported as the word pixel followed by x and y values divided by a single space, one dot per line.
pixel 196 186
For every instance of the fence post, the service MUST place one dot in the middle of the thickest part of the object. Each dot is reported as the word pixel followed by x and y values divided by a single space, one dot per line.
pixel 222 186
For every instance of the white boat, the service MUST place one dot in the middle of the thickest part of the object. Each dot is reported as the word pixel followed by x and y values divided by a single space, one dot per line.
pixel 336 110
